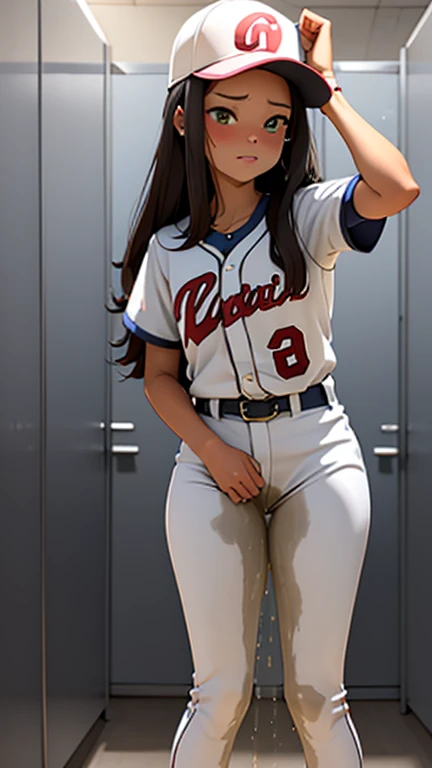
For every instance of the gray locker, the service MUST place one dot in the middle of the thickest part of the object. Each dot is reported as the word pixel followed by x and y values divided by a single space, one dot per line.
pixel 416 370
pixel 54 391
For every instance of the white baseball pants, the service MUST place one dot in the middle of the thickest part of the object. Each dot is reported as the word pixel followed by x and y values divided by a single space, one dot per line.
pixel 311 523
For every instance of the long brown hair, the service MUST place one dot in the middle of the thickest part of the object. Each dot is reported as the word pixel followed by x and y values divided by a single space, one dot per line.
pixel 179 184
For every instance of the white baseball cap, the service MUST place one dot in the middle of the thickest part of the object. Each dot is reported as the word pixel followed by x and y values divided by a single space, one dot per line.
pixel 231 36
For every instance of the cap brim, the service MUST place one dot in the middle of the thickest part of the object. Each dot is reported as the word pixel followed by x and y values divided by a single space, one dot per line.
pixel 313 87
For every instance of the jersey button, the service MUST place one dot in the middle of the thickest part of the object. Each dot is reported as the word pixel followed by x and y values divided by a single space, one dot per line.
pixel 229 236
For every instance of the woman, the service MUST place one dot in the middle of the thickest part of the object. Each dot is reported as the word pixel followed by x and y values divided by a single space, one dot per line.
pixel 232 307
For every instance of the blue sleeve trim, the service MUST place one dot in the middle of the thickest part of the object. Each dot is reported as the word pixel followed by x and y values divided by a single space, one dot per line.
pixel 146 336
pixel 360 233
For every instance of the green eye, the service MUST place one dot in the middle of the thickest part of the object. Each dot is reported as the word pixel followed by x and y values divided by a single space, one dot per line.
pixel 221 116
pixel 272 123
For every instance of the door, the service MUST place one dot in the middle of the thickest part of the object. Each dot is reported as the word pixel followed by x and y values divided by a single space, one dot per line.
pixel 20 391
pixel 148 634
pixel 74 267
pixel 366 343
pixel 419 366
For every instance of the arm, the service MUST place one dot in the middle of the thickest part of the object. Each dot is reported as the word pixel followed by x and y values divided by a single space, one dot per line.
pixel 149 315
pixel 235 472
pixel 387 185
pixel 171 402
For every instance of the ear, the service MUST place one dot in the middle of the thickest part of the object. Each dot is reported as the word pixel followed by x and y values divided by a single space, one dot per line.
pixel 178 120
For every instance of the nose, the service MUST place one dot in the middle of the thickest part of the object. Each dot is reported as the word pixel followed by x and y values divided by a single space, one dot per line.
pixel 253 139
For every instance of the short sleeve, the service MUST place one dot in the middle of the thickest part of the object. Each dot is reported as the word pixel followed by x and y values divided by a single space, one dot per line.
pixel 326 222
pixel 149 313
pixel 362 234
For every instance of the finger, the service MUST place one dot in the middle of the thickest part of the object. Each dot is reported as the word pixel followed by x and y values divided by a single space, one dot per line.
pixel 256 480
pixel 253 474
pixel 245 495
pixel 311 24
pixel 234 496
pixel 254 470
pixel 312 17
pixel 251 460
pixel 245 485
pixel 308 36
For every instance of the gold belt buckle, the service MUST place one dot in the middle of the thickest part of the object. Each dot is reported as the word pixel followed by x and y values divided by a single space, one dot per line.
pixel 271 416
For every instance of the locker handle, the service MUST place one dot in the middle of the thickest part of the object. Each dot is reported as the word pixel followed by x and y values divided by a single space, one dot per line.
pixel 389 427
pixel 386 451
pixel 125 449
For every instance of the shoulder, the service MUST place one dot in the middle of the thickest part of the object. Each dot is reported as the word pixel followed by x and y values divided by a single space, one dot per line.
pixel 317 210
pixel 321 190
pixel 162 247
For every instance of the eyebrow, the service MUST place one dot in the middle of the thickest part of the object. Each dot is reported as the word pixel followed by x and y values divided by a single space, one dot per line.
pixel 277 104
pixel 241 98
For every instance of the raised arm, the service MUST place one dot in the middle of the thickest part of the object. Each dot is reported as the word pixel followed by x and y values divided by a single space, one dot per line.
pixel 387 185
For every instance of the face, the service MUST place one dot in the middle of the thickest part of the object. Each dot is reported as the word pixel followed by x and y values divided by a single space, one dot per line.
pixel 245 120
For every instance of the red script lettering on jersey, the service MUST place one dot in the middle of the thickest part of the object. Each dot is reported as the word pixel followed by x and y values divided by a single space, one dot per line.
pixel 245 303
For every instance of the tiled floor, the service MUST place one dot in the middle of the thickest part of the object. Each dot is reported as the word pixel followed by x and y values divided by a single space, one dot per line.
pixel 140 731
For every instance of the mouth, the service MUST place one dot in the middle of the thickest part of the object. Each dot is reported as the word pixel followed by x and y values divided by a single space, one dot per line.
pixel 247 158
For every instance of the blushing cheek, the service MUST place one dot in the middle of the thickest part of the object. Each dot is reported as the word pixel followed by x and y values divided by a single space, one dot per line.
pixel 220 134
pixel 272 142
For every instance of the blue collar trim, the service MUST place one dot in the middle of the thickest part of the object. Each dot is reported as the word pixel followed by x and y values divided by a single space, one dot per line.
pixel 225 243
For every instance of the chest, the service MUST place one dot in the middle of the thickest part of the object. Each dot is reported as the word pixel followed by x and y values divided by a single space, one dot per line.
pixel 209 290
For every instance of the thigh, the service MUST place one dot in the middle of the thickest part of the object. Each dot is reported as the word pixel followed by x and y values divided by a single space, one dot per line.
pixel 219 556
pixel 317 541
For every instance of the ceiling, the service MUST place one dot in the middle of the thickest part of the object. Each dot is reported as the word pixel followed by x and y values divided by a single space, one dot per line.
pixel 361 29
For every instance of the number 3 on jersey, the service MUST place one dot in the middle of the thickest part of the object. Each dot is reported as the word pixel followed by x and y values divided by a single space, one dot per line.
pixel 292 359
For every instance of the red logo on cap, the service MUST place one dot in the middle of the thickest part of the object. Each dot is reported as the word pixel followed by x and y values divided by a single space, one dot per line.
pixel 258 31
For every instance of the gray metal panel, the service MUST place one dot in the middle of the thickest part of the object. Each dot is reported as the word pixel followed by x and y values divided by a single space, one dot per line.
pixel 419 373
pixel 20 414
pixel 366 343
pixel 149 641
pixel 108 247
pixel 371 67
pixel 74 268
pixel 403 379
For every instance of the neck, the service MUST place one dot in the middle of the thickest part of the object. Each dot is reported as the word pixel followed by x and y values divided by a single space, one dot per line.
pixel 236 202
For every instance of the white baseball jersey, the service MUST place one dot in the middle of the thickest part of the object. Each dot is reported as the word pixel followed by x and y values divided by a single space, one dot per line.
pixel 240 331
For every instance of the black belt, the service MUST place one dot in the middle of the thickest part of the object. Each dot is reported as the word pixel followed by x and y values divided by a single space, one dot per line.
pixel 264 410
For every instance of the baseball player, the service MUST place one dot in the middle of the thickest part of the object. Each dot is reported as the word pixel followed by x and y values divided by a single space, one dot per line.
pixel 228 281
